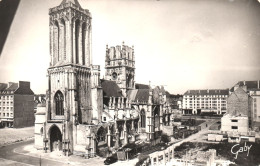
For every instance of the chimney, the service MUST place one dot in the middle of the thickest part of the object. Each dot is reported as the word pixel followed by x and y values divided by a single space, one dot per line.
pixel 244 82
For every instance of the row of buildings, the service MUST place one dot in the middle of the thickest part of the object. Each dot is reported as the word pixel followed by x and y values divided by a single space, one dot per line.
pixel 241 120
pixel 215 100
pixel 16 104
pixel 239 105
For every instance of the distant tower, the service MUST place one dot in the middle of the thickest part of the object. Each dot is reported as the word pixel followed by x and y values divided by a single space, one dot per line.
pixel 120 66
pixel 69 89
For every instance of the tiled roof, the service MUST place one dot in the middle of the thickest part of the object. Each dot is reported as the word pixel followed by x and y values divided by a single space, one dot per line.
pixel 141 86
pixel 167 94
pixel 142 95
pixel 3 86
pixel 251 85
pixel 12 87
pixel 110 89
pixel 22 88
pixel 131 94
pixel 138 95
pixel 207 92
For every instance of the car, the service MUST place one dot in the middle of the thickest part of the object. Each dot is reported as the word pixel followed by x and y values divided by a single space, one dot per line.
pixel 110 160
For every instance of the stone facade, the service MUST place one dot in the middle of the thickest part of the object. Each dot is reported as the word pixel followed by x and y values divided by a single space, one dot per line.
pixel 40 121
pixel 72 78
pixel 83 111
pixel 239 103
pixel 252 88
pixel 120 66
pixel 238 117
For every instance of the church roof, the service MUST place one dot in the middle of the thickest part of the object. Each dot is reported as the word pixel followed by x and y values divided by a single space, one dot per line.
pixel 138 95
pixel 141 86
pixel 75 2
pixel 110 89
pixel 142 95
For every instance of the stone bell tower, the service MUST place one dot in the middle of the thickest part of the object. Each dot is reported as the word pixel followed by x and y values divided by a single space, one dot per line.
pixel 120 66
pixel 69 74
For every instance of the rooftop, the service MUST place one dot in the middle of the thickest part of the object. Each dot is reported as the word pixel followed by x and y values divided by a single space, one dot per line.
pixel 75 2
pixel 110 89
pixel 251 85
pixel 208 92
pixel 142 86
pixel 23 87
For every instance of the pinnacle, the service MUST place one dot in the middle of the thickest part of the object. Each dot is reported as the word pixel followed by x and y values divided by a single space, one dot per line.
pixel 75 2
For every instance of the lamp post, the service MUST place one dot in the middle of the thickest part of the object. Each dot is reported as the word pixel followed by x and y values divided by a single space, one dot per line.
pixel 45 140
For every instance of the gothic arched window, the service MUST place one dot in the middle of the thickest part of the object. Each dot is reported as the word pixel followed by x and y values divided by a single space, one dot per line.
pixel 59 103
pixel 143 118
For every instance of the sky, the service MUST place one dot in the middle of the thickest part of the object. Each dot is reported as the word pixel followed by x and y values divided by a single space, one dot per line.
pixel 181 44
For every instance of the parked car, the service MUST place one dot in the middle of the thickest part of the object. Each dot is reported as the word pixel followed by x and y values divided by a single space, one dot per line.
pixel 110 160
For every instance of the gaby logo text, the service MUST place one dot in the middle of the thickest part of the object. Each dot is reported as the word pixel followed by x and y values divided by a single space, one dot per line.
pixel 241 149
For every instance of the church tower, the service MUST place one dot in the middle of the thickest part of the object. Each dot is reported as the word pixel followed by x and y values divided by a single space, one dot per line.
pixel 69 74
pixel 120 66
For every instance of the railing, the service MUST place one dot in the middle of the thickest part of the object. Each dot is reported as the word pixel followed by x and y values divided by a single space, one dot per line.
pixel 162 157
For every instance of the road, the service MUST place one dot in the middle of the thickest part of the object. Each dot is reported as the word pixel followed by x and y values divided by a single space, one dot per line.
pixel 197 135
pixel 8 155
pixel 13 154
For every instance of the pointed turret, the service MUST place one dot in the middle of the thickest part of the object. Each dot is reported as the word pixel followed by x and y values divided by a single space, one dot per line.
pixel 75 2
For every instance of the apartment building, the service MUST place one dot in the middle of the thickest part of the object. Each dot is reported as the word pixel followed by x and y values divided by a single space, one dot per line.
pixel 16 104
pixel 210 100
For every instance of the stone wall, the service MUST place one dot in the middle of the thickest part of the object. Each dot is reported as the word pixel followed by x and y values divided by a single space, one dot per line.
pixel 39 131
pixel 238 103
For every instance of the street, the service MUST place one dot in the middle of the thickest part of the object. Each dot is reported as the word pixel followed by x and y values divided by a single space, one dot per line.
pixel 8 154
